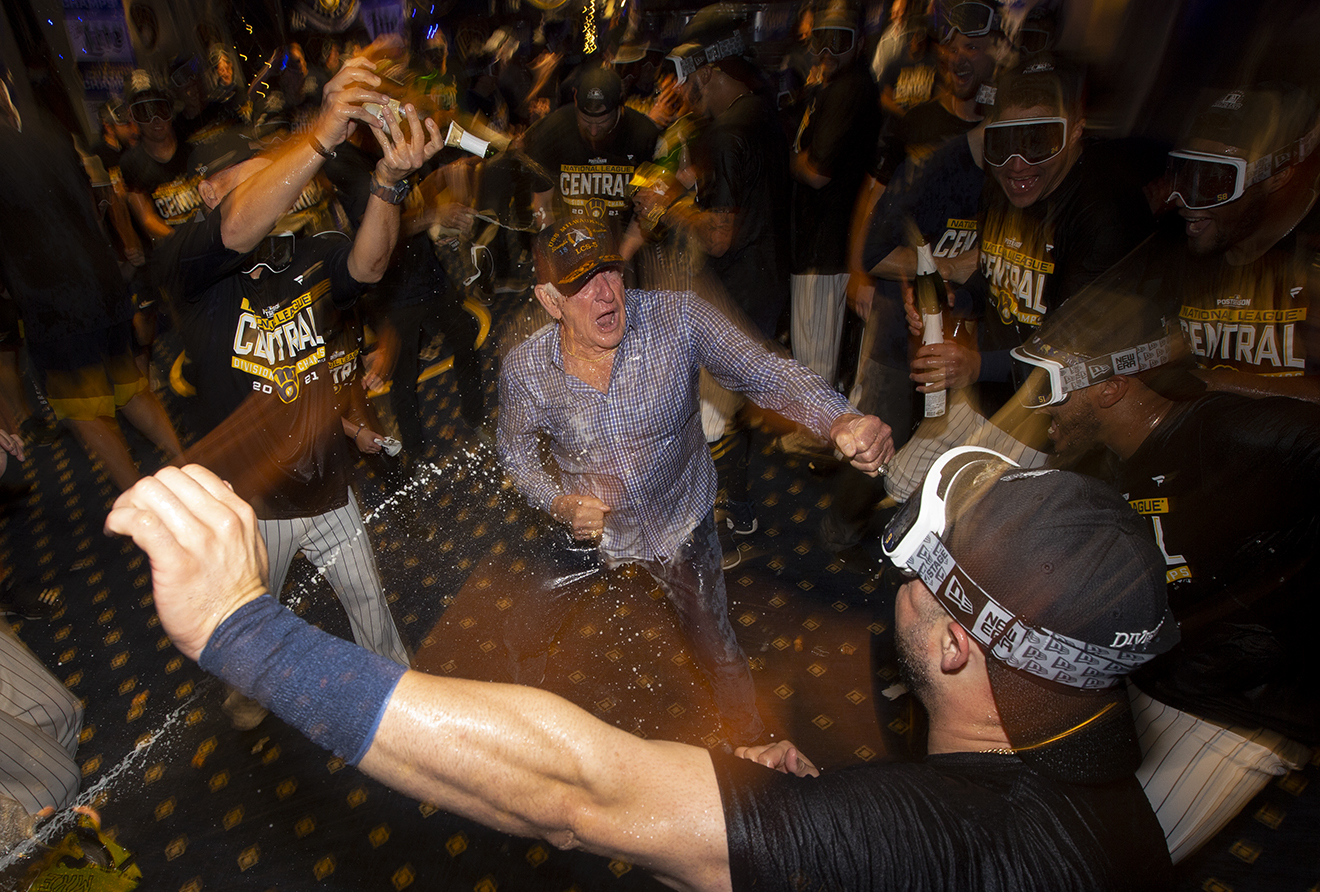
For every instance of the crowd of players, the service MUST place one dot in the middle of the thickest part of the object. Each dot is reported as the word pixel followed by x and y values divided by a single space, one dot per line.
pixel 1109 533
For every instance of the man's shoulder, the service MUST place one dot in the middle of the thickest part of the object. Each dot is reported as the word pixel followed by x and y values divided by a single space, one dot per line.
pixel 526 359
pixel 637 133
pixel 550 130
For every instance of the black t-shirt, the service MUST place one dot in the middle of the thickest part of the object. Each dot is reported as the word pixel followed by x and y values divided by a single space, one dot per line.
pixel 916 136
pixel 259 352
pixel 171 185
pixel 586 181
pixel 957 821
pixel 1231 486
pixel 1256 317
pixel 55 261
pixel 838 133
pixel 744 157
pixel 1035 258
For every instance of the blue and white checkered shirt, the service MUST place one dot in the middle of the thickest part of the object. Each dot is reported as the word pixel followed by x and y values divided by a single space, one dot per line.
pixel 639 446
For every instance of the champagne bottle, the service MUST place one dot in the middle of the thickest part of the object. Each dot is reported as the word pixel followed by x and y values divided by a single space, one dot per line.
pixel 929 288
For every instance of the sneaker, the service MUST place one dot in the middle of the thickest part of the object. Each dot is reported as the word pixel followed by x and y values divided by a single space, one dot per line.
pixel 244 713
pixel 29 603
pixel 36 431
pixel 741 518
pixel 732 556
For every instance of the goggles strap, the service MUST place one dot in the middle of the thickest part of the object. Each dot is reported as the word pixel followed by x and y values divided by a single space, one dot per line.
pixel 1125 362
pixel 1009 639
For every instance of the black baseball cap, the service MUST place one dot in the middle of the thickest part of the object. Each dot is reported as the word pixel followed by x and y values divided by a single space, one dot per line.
pixel 1258 119
pixel 571 251
pixel 1064 553
pixel 599 91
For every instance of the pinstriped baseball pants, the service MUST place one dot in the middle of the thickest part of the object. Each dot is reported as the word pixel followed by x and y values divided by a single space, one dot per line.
pixel 337 545
pixel 819 308
pixel 40 721
pixel 1199 775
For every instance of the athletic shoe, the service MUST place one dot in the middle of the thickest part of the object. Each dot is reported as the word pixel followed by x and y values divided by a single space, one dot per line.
pixel 741 518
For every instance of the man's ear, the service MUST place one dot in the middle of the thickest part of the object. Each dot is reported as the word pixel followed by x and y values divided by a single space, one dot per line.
pixel 550 299
pixel 1077 130
pixel 955 647
pixel 1279 180
pixel 1111 391
pixel 210 195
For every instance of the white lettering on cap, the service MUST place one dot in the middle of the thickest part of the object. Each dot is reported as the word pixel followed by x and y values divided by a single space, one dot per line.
pixel 1231 101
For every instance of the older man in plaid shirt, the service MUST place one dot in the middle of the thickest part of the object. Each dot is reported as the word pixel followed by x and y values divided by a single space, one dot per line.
pixel 613 384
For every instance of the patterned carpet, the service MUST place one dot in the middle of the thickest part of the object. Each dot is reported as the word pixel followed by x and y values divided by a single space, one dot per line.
pixel 206 807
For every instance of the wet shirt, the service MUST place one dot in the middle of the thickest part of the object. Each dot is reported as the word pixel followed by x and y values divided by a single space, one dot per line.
pixel 1035 258
pixel 171 185
pixel 1253 318
pixel 639 446
pixel 261 358
pixel 745 157
pixel 1231 488
pixel 585 181
pixel 952 822
pixel 56 260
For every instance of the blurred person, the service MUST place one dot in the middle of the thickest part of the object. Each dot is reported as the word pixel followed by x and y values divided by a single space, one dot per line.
pixel 942 203
pixel 59 268
pixel 1231 488
pixel 612 383
pixel 1028 778
pixel 260 312
pixel 589 151
pixel 835 140
pixel 1244 184
pixel 161 184
pixel 1060 213
pixel 40 723
pixel 119 133
pixel 911 75
pixel 416 300
pixel 739 211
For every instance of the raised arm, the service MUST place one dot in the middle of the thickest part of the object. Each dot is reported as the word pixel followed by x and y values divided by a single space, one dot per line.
pixel 520 760
pixel 251 210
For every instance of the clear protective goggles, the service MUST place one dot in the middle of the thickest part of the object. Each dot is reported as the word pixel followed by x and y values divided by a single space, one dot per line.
pixel 925 512
pixel 914 542
pixel 1202 180
pixel 185 73
pixel 832 39
pixel 968 19
pixel 1049 375
pixel 691 56
pixel 1034 140
pixel 1032 39
pixel 275 253
pixel 144 111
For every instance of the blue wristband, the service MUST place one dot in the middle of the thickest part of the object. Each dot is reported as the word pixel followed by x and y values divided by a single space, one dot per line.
pixel 329 689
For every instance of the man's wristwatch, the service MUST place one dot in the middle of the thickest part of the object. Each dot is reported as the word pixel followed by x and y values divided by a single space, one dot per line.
pixel 393 194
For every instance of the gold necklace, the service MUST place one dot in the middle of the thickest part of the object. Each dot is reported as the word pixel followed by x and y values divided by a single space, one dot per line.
pixel 1001 751
pixel 607 355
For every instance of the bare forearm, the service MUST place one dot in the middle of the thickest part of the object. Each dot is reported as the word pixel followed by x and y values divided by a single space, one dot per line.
pixel 529 763
pixel 251 210
pixel 375 241
pixel 899 265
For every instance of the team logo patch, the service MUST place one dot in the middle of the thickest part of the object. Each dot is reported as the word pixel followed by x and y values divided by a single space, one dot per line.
pixel 286 378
